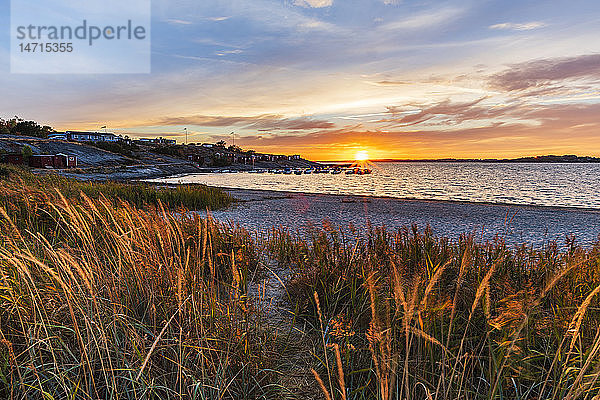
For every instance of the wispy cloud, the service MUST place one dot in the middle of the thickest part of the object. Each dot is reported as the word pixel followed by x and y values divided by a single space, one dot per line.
pixel 314 24
pixel 313 3
pixel 228 52
pixel 217 19
pixel 510 26
pixel 547 72
pixel 260 122
pixel 388 82
pixel 178 21
pixel 446 113
pixel 425 20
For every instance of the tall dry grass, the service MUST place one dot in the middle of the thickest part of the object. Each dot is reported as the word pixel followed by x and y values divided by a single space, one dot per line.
pixel 105 298
pixel 100 299
pixel 419 317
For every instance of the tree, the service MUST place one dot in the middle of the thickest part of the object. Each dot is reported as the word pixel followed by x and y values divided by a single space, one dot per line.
pixel 30 128
pixel 27 152
pixel 220 143
pixel 18 126
pixel 5 125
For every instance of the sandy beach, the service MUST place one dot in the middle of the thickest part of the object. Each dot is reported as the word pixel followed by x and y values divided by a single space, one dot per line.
pixel 260 210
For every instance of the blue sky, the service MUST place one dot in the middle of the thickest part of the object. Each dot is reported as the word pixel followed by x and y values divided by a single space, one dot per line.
pixel 327 78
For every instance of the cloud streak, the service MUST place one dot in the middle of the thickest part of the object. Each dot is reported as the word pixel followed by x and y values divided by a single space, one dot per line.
pixel 447 113
pixel 427 19
pixel 542 73
pixel 528 26
pixel 260 123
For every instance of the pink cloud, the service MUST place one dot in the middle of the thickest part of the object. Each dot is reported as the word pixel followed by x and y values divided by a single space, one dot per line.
pixel 547 72
pixel 261 122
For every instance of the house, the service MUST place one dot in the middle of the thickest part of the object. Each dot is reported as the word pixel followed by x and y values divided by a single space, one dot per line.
pixel 263 157
pixel 226 155
pixel 62 160
pixel 58 136
pixel 87 136
pixel 294 157
pixel 196 157
pixel 276 157
pixel 159 140
pixel 52 161
pixel 208 145
pixel 41 161
pixel 13 158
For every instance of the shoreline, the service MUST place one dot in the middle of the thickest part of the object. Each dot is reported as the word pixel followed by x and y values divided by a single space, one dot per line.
pixel 262 210
pixel 287 193
pixel 413 199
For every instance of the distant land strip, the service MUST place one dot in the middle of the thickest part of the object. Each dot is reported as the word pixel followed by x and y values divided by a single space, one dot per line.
pixel 534 159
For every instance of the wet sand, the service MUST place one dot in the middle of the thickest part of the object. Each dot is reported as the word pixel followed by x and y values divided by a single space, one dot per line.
pixel 260 210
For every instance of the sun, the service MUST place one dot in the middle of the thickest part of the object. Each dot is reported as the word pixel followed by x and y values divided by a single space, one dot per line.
pixel 362 155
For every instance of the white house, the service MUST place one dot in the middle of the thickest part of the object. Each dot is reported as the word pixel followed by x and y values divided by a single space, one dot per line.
pixel 90 136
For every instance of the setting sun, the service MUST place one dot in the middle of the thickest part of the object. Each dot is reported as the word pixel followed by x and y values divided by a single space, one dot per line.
pixel 361 155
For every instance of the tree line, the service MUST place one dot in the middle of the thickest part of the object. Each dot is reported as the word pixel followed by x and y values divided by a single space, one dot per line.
pixel 21 127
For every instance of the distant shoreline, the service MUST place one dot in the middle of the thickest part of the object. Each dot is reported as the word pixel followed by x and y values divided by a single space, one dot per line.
pixel 550 159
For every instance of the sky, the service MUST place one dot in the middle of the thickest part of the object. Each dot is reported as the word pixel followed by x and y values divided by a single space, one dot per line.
pixel 328 78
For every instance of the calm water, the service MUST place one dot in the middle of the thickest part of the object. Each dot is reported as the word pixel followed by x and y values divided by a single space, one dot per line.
pixel 566 185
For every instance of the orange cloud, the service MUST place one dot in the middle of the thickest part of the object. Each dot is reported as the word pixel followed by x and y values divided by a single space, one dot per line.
pixel 561 129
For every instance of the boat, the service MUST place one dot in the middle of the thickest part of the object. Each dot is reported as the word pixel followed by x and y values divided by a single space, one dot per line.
pixel 350 172
pixel 287 171
pixel 336 171
pixel 298 172
pixel 308 171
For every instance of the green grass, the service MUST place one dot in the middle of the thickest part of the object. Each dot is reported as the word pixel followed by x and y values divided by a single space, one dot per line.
pixel 193 197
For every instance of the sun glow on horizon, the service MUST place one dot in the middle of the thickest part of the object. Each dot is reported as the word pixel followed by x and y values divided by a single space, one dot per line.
pixel 362 155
